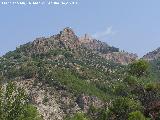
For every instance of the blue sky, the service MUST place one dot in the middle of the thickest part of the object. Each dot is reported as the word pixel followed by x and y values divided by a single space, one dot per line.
pixel 131 25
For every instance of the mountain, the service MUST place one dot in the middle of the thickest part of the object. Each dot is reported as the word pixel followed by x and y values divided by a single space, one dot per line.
pixel 68 40
pixel 152 55
pixel 65 74
pixel 66 77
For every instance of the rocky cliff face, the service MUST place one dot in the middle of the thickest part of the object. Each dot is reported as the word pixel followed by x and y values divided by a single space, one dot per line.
pixel 121 57
pixel 152 55
pixel 106 51
pixel 56 103
pixel 95 45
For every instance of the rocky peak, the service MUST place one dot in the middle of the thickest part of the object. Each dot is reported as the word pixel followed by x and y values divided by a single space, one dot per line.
pixel 65 39
pixel 68 30
pixel 67 35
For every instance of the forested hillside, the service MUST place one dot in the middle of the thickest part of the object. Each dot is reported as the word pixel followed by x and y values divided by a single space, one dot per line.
pixel 66 77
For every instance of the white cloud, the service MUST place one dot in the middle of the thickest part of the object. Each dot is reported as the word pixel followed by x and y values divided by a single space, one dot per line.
pixel 107 32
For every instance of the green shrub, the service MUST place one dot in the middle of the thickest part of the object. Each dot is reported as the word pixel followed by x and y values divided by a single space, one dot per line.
pixel 68 54
pixel 121 107
pixel 78 116
pixel 136 115
pixel 138 68
pixel 30 113
pixel 102 115
pixel 12 73
pixel 28 72
pixel 130 80
pixel 121 90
